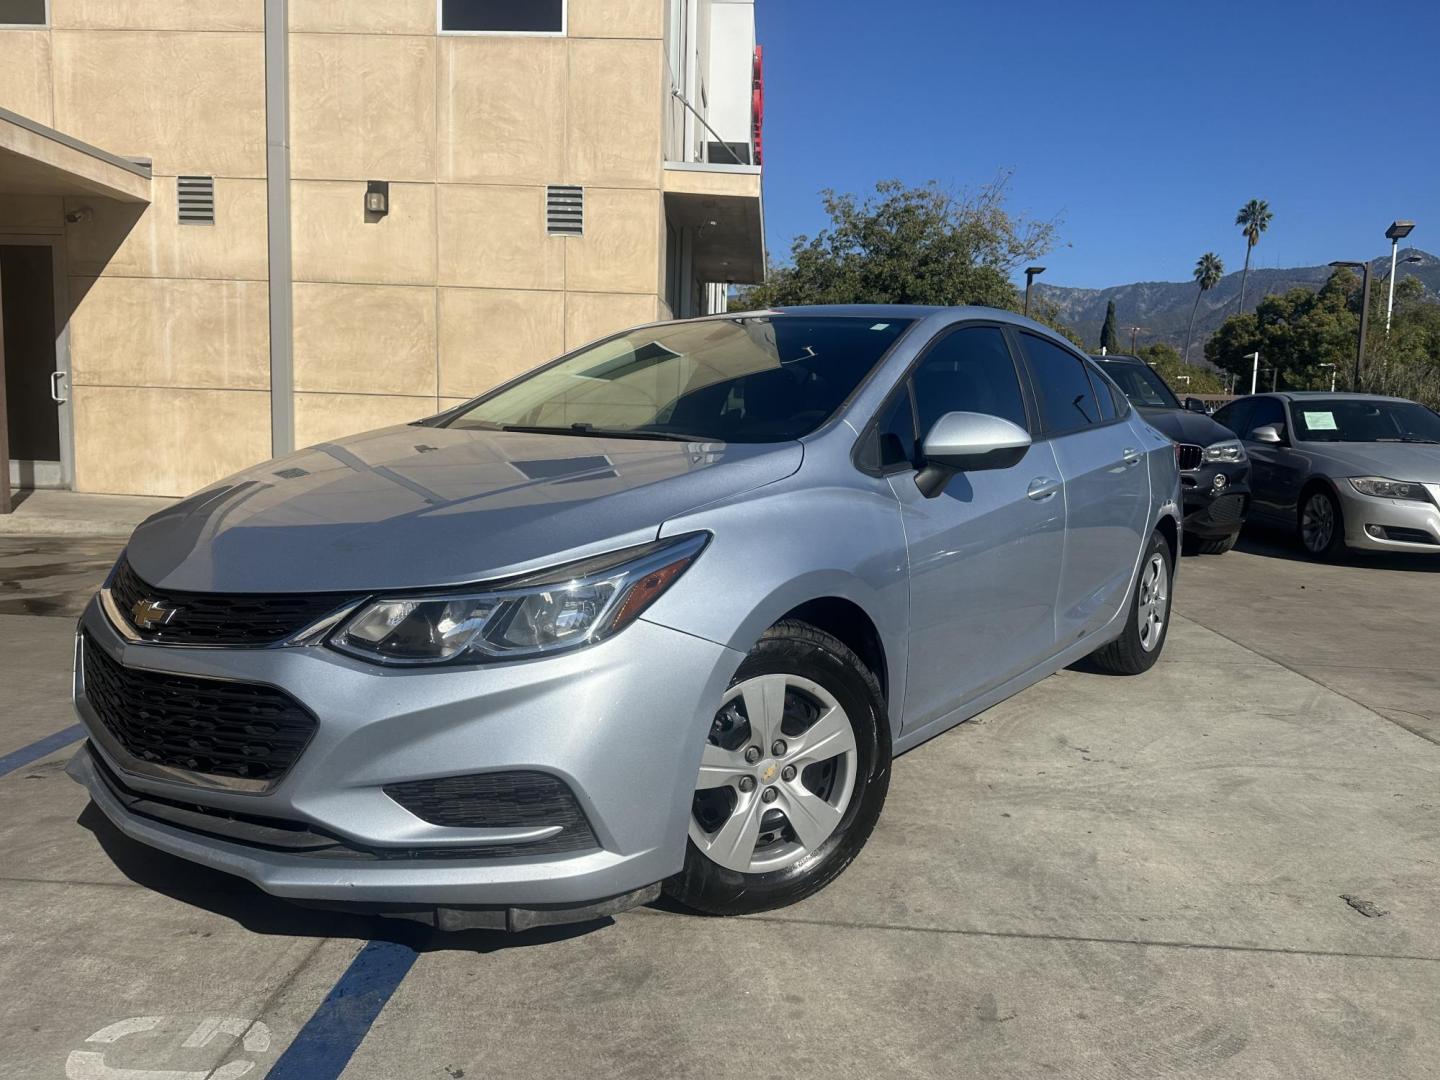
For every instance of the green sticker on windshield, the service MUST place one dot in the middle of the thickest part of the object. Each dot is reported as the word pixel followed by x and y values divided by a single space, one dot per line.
pixel 1320 421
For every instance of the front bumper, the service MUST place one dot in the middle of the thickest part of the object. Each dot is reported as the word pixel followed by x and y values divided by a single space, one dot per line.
pixel 622 723
pixel 1212 513
pixel 1373 524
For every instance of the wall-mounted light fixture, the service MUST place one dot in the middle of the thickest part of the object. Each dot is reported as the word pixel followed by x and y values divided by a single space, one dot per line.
pixel 377 199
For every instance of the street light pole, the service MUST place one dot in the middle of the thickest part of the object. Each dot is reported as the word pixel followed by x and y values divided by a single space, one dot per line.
pixel 1133 331
pixel 1364 268
pixel 1031 272
pixel 1397 232
pixel 1332 375
pixel 1254 370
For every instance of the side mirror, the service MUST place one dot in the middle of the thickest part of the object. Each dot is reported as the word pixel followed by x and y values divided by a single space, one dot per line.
pixel 1268 433
pixel 968 442
pixel 1194 404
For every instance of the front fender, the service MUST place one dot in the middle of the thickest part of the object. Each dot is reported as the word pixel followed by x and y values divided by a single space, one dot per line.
pixel 793 544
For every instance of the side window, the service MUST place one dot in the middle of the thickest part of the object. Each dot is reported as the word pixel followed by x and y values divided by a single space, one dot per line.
pixel 968 370
pixel 896 431
pixel 1267 411
pixel 1103 397
pixel 1234 415
pixel 1067 400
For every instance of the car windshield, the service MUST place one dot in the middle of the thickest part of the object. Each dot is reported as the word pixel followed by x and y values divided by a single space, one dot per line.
pixel 749 380
pixel 1359 420
pixel 1141 384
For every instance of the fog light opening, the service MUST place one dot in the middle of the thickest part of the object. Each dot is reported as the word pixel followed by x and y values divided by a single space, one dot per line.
pixel 1220 482
pixel 1376 531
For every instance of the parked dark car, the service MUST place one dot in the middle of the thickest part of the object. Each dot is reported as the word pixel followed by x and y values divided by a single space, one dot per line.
pixel 1214 468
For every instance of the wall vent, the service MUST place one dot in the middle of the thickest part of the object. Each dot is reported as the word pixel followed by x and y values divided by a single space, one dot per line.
pixel 565 210
pixel 197 199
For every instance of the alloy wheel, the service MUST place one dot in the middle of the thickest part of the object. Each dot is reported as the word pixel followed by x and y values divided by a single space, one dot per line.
pixel 1154 601
pixel 776 776
pixel 1317 523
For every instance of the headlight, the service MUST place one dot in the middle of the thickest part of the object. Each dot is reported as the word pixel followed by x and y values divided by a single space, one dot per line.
pixel 1231 450
pixel 1389 489
pixel 562 608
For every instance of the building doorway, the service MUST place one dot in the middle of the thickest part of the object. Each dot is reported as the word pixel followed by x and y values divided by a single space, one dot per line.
pixel 36 363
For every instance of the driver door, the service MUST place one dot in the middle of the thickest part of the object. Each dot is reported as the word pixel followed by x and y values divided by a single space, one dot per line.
pixel 985 554
pixel 1276 470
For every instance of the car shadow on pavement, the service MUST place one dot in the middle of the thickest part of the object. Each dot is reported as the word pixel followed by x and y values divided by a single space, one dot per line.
pixel 1276 543
pixel 257 911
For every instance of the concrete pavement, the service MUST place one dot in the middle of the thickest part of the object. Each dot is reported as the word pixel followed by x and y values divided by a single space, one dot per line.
pixel 1365 627
pixel 78 514
pixel 1101 877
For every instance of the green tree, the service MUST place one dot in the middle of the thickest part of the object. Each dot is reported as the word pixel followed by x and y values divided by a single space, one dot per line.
pixel 1109 332
pixel 1253 219
pixel 1405 362
pixel 1183 378
pixel 909 245
pixel 1296 333
pixel 1208 272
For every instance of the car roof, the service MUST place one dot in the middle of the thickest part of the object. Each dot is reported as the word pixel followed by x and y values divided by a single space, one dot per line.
pixel 1311 395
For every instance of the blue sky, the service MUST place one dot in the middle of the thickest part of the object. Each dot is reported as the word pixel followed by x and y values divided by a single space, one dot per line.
pixel 1143 125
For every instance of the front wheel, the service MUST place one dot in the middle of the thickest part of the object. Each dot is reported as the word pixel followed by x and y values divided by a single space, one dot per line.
pixel 1148 621
pixel 1218 547
pixel 1321 528
pixel 792 779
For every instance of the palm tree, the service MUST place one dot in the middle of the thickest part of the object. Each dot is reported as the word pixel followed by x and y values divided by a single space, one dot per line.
pixel 1208 272
pixel 1253 219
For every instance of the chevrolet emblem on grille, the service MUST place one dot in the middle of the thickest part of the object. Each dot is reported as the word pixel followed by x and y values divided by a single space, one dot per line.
pixel 148 614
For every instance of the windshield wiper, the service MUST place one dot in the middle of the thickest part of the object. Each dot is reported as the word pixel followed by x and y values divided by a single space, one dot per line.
pixel 592 431
pixel 1407 439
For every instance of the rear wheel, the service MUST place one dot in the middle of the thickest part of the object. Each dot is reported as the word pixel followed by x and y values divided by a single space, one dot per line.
pixel 1321 528
pixel 1137 649
pixel 792 779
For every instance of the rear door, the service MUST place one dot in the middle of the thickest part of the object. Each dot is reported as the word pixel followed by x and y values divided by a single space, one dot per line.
pixel 985 553
pixel 1107 486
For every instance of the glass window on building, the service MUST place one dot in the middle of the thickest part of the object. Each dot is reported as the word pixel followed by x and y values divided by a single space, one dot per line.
pixel 502 16
pixel 23 13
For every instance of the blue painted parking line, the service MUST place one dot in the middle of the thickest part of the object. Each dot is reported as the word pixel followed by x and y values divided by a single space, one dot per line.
pixel 329 1038
pixel 18 759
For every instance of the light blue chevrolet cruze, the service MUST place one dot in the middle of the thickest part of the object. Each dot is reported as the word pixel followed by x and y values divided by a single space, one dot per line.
pixel 658 613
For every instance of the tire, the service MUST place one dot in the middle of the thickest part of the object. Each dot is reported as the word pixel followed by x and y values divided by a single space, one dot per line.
pixel 1319 525
pixel 812 674
pixel 1218 547
pixel 1147 619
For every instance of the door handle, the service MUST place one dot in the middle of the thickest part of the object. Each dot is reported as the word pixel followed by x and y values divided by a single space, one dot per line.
pixel 56 378
pixel 1042 488
pixel 1131 455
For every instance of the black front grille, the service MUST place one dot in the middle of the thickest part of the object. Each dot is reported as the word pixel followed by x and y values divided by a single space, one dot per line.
pixel 220 618
pixel 208 726
pixel 1188 456
pixel 508 800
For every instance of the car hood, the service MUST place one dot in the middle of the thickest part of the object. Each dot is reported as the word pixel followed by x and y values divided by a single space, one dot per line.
pixel 1419 462
pixel 412 507
pixel 1184 426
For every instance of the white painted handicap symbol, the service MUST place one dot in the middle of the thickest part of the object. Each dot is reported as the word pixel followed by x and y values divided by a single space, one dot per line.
pixel 250 1036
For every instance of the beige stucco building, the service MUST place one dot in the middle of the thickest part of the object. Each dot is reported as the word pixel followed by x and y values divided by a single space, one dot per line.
pixel 232 227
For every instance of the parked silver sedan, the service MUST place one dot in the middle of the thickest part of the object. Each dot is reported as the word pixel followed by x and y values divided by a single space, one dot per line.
pixel 660 611
pixel 1343 470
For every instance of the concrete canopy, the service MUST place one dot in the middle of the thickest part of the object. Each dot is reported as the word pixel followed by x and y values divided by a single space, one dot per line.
pixel 723 204
pixel 37 160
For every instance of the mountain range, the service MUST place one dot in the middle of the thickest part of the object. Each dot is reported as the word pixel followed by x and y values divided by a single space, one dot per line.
pixel 1162 308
